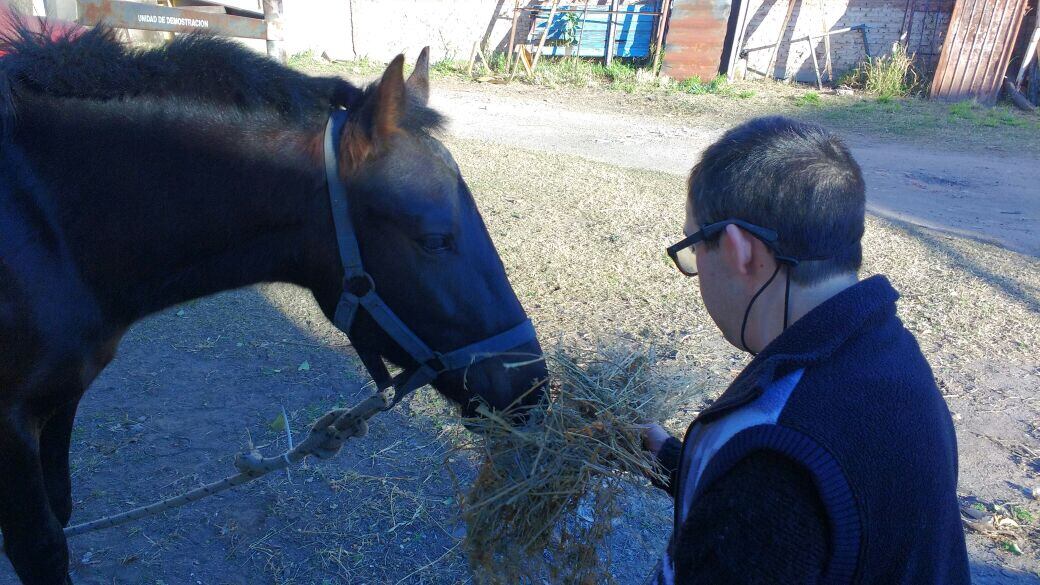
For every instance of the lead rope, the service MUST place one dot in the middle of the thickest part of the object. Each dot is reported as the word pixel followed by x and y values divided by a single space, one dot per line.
pixel 325 439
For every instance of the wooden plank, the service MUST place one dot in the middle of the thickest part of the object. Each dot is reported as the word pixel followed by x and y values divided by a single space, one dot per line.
pixel 512 36
pixel 824 28
pixel 545 34
pixel 815 63
pixel 771 67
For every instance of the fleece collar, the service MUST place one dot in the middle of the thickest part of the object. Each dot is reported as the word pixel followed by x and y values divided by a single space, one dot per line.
pixel 811 339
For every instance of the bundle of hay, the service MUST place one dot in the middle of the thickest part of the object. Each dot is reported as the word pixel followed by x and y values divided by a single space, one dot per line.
pixel 546 494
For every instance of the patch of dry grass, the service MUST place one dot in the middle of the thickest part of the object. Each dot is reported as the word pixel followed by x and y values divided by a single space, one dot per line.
pixel 607 274
pixel 547 494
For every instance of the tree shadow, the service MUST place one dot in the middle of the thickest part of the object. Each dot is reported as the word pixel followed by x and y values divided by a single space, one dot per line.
pixel 1015 290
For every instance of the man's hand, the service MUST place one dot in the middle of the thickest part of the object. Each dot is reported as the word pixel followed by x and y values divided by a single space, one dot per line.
pixel 654 437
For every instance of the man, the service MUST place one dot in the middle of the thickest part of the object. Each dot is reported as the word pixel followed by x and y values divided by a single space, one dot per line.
pixel 831 458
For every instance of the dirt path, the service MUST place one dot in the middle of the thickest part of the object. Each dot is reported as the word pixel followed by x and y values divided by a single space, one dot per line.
pixel 991 196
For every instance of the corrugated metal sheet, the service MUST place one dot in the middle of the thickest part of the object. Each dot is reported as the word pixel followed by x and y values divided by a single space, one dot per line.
pixel 695 38
pixel 977 49
pixel 634 31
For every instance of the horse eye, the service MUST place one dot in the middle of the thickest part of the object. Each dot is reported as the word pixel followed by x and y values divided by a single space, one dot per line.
pixel 436 243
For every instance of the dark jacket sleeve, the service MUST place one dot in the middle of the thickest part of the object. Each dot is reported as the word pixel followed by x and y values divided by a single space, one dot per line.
pixel 668 457
pixel 760 522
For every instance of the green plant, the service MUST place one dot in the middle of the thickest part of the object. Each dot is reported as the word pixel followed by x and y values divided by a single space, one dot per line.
pixel 809 98
pixel 887 76
pixel 619 72
pixel 571 28
pixel 1011 547
pixel 447 67
pixel 499 62
pixel 300 59
pixel 1022 515
pixel 964 110
pixel 694 85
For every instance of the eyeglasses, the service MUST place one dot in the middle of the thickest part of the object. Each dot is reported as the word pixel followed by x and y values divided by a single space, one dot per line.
pixel 685 258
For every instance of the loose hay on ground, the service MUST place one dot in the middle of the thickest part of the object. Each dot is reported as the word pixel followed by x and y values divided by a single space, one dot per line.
pixel 546 494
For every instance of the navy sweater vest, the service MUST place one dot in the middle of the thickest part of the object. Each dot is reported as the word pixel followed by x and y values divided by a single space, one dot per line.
pixel 865 421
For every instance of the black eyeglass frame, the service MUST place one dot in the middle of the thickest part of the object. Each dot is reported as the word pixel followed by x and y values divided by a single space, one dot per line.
pixel 708 231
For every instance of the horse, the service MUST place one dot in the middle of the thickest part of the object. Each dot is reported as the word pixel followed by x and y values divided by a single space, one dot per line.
pixel 135 180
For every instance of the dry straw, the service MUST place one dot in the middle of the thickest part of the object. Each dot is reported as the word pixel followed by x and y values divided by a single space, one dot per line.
pixel 547 493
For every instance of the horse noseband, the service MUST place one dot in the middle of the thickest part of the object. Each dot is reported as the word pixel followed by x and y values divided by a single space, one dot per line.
pixel 359 292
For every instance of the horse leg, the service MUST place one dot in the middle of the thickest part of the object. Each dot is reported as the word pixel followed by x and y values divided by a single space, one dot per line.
pixel 33 538
pixel 54 458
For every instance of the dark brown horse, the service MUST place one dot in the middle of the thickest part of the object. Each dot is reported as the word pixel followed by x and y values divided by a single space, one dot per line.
pixel 133 181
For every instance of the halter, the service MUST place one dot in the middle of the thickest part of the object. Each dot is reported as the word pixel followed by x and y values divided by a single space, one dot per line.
pixel 359 292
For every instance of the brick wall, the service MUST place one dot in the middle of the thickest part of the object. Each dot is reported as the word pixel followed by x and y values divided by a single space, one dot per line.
pixel 883 18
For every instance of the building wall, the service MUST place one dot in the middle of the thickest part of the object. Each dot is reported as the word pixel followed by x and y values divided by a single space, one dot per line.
pixel 379 30
pixel 883 18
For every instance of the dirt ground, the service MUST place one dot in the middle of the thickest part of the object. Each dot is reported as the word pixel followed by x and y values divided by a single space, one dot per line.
pixel 191 385
pixel 989 192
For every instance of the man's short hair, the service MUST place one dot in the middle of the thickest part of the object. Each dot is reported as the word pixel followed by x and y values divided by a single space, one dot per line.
pixel 792 177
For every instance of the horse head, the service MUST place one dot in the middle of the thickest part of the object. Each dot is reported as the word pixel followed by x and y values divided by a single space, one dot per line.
pixel 426 248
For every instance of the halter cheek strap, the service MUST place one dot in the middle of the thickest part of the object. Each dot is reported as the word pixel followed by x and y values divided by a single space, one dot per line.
pixel 359 293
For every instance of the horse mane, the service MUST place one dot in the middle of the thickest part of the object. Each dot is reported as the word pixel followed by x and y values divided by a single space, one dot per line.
pixel 70 61
pixel 91 63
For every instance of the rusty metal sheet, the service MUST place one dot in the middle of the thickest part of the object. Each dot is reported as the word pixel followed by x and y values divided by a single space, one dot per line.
pixel 695 38
pixel 977 49
pixel 123 14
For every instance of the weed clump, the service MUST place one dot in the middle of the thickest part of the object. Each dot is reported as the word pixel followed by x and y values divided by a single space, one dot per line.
pixel 887 76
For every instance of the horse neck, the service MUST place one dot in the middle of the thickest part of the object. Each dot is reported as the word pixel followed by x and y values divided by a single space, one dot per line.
pixel 157 210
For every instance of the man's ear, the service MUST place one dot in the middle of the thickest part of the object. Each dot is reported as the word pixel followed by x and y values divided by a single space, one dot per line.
pixel 418 83
pixel 738 248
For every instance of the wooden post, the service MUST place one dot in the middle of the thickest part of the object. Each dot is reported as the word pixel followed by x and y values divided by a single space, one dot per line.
pixel 275 34
pixel 611 32
pixel 815 64
pixel 738 43
pixel 771 66
pixel 512 37
pixel 581 33
pixel 1027 57
pixel 545 34
pixel 472 59
pixel 662 22
pixel 824 29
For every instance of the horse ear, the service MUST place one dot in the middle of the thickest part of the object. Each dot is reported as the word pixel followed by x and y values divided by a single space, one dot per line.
pixel 390 100
pixel 419 81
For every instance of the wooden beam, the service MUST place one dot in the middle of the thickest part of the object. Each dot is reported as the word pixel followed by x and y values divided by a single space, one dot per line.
pixel 545 35
pixel 815 64
pixel 824 27
pixel 275 32
pixel 512 36
pixel 771 66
